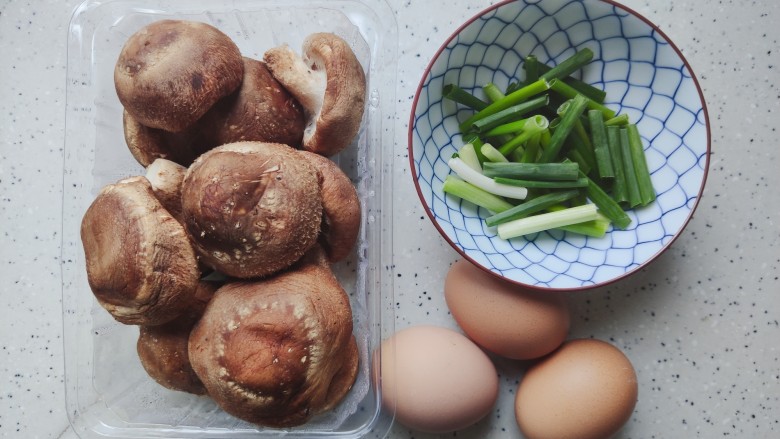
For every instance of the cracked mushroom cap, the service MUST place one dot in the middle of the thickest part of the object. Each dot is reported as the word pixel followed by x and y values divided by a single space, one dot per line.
pixel 329 82
pixel 340 208
pixel 277 351
pixel 140 263
pixel 171 72
pixel 251 208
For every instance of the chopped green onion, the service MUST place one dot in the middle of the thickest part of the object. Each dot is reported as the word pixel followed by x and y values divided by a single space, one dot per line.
pixel 569 65
pixel 546 221
pixel 564 129
pixel 543 184
pixel 468 154
pixel 492 92
pixel 632 186
pixel 596 228
pixel 492 154
pixel 607 206
pixel 529 207
pixel 531 66
pixel 532 127
pixel 600 146
pixel 467 191
pixel 568 92
pixel 531 149
pixel 583 87
pixel 508 114
pixel 620 119
pixel 474 139
pixel 533 171
pixel 646 191
pixel 457 94
pixel 619 189
pixel 485 183
pixel 510 100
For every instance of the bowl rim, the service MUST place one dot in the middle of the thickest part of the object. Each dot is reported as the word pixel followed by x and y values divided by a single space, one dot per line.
pixel 626 274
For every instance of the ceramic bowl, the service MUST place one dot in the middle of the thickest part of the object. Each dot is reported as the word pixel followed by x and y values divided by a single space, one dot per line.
pixel 644 75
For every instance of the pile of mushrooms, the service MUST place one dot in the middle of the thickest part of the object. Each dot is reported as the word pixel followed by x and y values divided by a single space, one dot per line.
pixel 238 182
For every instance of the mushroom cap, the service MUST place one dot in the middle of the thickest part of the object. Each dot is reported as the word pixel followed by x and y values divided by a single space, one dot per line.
pixel 163 349
pixel 171 72
pixel 329 82
pixel 268 351
pixel 261 109
pixel 140 263
pixel 251 208
pixel 340 208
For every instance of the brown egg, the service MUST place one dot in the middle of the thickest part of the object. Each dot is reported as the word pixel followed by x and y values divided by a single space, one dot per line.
pixel 504 318
pixel 435 379
pixel 587 389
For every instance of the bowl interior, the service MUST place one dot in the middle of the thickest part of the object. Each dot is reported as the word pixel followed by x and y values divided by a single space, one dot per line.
pixel 644 75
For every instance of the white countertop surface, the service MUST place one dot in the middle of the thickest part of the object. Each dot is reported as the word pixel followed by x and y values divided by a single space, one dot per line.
pixel 701 324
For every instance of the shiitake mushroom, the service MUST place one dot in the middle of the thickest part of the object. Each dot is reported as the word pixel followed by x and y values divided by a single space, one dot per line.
pixel 140 263
pixel 329 82
pixel 279 350
pixel 171 72
pixel 251 208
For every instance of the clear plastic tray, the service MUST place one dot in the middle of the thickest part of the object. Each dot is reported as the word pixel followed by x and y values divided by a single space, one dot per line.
pixel 108 394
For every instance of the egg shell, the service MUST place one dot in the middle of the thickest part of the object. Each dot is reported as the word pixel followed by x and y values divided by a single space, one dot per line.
pixel 436 380
pixel 504 318
pixel 587 389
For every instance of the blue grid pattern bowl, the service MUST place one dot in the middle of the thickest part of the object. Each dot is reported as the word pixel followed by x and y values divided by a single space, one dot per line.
pixel 644 75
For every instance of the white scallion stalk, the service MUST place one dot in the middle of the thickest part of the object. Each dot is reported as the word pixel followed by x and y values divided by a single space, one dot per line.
pixel 486 183
pixel 546 221
pixel 469 157
pixel 492 154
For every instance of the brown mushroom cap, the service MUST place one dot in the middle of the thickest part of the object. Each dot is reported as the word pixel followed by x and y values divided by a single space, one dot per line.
pixel 140 263
pixel 251 208
pixel 171 72
pixel 340 208
pixel 163 349
pixel 261 109
pixel 268 351
pixel 330 84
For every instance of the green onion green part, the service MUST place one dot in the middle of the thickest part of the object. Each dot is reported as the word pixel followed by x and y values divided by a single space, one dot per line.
pixel 619 189
pixel 492 92
pixel 646 191
pixel 564 129
pixel 598 132
pixel 569 65
pixel 619 120
pixel 632 185
pixel 509 100
pixel 568 92
pixel 533 171
pixel 607 206
pixel 543 184
pixel 457 94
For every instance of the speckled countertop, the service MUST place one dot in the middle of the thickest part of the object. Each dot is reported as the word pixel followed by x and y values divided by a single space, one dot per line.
pixel 701 324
